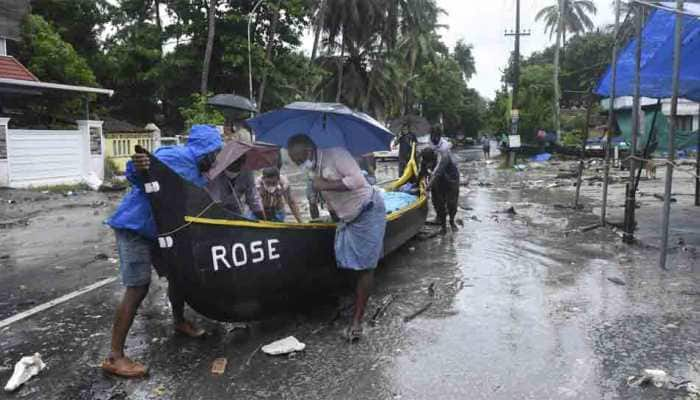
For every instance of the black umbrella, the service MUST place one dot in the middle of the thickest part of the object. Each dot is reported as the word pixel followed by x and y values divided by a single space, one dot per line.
pixel 231 105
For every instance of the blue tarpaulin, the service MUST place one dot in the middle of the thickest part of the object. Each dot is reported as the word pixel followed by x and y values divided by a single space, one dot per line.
pixel 657 58
pixel 394 201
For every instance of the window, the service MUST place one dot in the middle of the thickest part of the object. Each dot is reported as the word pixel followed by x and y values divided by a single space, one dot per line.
pixel 685 123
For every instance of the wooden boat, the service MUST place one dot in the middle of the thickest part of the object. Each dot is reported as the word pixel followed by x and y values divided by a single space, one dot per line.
pixel 234 269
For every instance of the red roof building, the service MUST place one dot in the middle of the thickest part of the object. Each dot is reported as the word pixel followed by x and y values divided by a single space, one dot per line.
pixel 13 69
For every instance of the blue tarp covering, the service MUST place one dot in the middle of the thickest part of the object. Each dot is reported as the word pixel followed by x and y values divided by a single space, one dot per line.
pixel 657 59
pixel 394 201
pixel 541 157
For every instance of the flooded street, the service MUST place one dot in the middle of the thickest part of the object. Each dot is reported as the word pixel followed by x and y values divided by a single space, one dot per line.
pixel 513 305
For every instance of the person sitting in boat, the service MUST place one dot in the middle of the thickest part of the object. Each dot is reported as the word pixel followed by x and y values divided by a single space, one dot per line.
pixel 359 237
pixel 274 191
pixel 443 182
pixel 135 230
pixel 235 188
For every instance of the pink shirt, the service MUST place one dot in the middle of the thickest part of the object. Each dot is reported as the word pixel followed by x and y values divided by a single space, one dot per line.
pixel 337 164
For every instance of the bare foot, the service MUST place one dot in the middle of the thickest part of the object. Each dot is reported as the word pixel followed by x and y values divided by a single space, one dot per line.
pixel 124 367
pixel 454 227
pixel 188 329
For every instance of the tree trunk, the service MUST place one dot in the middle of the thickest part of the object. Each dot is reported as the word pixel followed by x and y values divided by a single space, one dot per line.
pixel 557 92
pixel 210 46
pixel 268 53
pixel 156 4
pixel 341 67
pixel 319 28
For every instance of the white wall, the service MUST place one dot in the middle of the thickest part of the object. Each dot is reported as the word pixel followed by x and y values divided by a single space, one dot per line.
pixel 52 157
pixel 4 175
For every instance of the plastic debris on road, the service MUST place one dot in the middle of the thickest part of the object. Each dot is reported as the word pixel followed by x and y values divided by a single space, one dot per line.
pixel 93 181
pixel 25 368
pixel 218 367
pixel 661 379
pixel 287 345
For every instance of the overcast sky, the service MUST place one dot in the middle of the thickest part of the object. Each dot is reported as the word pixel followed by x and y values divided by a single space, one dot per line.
pixel 483 23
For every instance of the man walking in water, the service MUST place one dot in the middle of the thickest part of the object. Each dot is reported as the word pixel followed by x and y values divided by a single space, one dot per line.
pixel 359 238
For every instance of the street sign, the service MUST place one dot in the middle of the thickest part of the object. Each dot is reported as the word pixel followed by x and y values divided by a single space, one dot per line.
pixel 514 141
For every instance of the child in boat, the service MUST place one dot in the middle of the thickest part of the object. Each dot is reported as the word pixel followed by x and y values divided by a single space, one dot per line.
pixel 274 191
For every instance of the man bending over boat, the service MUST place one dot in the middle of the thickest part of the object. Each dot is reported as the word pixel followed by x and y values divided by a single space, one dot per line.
pixel 359 237
pixel 234 185
pixel 135 230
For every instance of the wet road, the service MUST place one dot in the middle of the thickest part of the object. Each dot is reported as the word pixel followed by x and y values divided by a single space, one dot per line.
pixel 520 306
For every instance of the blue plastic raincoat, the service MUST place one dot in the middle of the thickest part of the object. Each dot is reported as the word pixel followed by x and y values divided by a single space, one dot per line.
pixel 134 212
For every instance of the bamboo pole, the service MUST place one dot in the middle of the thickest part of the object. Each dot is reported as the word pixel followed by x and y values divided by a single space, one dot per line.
pixel 611 116
pixel 697 165
pixel 630 202
pixel 671 134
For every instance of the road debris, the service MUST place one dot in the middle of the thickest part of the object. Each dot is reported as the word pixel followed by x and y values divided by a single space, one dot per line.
pixel 25 369
pixel 617 281
pixel 218 367
pixel 383 305
pixel 418 312
pixel 661 379
pixel 287 345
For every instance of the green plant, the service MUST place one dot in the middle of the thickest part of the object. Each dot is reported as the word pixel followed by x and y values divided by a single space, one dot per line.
pixel 199 112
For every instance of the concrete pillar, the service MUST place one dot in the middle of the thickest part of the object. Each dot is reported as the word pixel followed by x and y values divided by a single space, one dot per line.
pixel 93 148
pixel 4 170
pixel 155 132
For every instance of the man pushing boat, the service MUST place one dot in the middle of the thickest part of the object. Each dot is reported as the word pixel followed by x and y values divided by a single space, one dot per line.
pixel 359 237
pixel 135 230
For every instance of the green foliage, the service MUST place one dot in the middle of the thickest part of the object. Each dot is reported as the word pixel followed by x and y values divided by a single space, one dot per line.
pixel 52 59
pixel 572 138
pixel 199 112
pixel 464 57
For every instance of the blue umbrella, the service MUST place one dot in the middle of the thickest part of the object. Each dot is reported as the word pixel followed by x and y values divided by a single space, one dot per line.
pixel 327 124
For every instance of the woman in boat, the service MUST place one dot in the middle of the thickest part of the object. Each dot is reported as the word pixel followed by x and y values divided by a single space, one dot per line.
pixel 359 237
pixel 274 192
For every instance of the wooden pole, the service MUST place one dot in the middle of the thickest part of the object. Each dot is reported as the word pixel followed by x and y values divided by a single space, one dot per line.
pixel 611 115
pixel 630 202
pixel 582 160
pixel 671 134
pixel 697 165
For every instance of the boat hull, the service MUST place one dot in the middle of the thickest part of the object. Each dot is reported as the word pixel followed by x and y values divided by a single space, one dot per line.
pixel 231 269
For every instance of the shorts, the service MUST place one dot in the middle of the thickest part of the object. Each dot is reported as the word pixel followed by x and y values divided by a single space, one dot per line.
pixel 134 258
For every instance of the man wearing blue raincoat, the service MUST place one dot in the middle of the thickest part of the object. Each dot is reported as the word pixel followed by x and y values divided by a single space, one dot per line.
pixel 135 230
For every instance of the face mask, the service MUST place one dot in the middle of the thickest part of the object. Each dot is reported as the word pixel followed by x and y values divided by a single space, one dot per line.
pixel 231 175
pixel 308 165
pixel 270 189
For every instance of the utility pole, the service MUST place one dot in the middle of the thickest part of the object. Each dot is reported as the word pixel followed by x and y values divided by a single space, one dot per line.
pixel 516 76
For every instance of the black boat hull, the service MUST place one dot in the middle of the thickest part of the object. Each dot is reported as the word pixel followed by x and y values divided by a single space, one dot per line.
pixel 232 269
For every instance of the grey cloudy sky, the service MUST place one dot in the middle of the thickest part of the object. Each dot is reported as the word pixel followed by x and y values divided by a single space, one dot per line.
pixel 482 24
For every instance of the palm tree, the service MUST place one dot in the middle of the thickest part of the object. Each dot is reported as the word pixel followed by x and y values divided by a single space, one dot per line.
pixel 211 31
pixel 577 17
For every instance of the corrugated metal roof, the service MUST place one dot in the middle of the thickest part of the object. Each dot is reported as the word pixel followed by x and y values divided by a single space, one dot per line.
pixel 13 69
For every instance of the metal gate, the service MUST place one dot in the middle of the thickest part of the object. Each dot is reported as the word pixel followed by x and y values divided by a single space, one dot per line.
pixel 46 157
